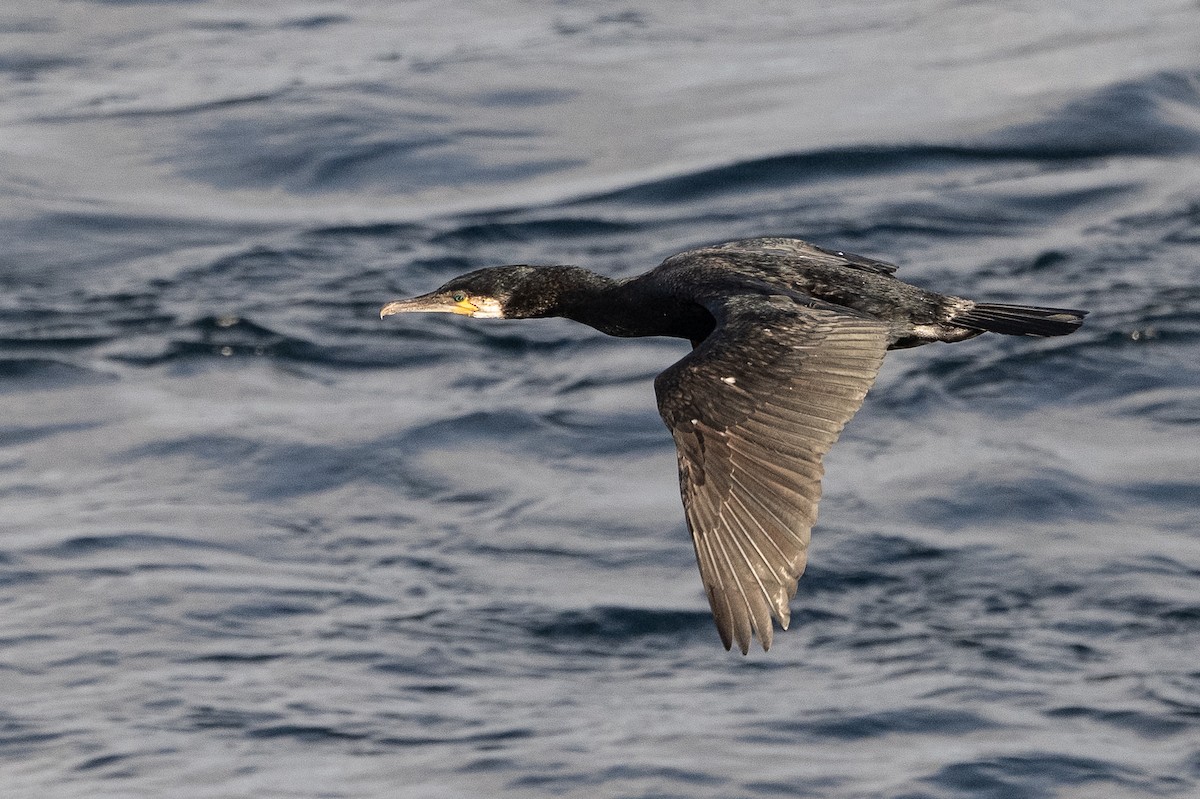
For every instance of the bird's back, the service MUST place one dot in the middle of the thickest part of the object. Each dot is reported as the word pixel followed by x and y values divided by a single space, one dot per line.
pixel 855 283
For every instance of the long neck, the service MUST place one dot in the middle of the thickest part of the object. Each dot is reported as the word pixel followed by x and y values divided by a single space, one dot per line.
pixel 630 307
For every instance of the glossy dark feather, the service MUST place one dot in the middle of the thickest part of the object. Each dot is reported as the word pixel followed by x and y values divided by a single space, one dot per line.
pixel 753 410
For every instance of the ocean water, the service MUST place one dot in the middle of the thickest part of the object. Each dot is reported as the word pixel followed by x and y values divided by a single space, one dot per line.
pixel 255 542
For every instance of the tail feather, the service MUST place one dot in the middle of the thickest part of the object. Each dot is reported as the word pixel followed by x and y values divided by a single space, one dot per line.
pixel 1020 320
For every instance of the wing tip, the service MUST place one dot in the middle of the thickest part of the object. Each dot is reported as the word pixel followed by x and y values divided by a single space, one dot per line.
pixel 765 636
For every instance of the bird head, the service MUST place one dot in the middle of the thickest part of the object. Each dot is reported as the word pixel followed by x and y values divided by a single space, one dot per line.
pixel 481 294
pixel 497 292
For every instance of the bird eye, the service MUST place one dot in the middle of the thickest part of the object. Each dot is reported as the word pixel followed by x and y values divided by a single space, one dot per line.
pixel 458 296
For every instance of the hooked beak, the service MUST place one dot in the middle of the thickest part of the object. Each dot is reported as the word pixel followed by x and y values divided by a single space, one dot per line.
pixel 429 303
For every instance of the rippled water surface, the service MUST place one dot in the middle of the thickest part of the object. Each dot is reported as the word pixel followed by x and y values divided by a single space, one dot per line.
pixel 256 542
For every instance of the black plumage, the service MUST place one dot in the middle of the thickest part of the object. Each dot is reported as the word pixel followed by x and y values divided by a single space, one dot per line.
pixel 787 338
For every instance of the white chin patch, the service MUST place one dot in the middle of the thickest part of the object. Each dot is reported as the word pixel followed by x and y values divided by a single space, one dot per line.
pixel 488 309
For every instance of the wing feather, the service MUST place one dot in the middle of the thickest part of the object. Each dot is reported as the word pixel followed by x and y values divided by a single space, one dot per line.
pixel 753 410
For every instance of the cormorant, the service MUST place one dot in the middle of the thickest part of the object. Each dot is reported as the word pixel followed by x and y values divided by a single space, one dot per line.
pixel 786 339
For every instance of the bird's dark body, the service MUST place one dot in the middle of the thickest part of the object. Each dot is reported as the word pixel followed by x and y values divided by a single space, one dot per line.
pixel 669 300
pixel 794 268
pixel 787 339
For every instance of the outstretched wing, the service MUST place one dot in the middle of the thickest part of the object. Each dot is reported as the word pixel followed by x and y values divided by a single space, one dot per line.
pixel 753 409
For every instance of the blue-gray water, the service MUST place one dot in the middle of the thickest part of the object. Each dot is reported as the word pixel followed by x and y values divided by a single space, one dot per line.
pixel 255 542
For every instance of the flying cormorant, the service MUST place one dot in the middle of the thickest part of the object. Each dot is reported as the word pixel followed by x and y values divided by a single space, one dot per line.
pixel 786 339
